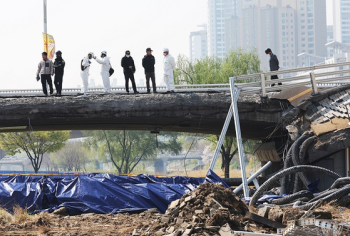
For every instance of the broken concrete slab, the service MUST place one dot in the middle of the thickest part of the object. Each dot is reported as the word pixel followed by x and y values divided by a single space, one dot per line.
pixel 264 221
pixel 275 214
pixel 225 230
pixel 264 212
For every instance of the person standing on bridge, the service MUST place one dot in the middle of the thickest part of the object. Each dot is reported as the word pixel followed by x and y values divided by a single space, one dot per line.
pixel 148 63
pixel 45 69
pixel 59 71
pixel 169 67
pixel 105 67
pixel 129 70
pixel 274 64
pixel 84 73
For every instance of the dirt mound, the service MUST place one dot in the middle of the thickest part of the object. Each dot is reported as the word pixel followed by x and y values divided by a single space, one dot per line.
pixel 203 211
pixel 207 200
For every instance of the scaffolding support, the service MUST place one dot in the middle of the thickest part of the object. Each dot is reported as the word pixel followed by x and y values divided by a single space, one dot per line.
pixel 233 112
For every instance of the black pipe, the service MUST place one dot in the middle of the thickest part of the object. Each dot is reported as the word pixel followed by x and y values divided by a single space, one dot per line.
pixel 292 197
pixel 295 157
pixel 339 182
pixel 291 170
pixel 303 149
pixel 336 195
pixel 286 182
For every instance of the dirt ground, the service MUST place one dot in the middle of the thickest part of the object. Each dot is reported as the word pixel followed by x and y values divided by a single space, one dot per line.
pixel 205 211
pixel 94 224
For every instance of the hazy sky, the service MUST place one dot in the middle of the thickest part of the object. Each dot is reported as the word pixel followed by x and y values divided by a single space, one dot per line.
pixel 81 26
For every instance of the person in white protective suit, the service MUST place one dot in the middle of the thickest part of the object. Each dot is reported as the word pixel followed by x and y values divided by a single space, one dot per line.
pixel 105 66
pixel 85 68
pixel 169 67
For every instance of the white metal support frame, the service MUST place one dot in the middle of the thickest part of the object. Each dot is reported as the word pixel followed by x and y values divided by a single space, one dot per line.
pixel 253 177
pixel 221 138
pixel 233 111
pixel 234 96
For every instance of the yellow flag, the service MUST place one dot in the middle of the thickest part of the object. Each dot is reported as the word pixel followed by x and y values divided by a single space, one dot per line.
pixel 49 45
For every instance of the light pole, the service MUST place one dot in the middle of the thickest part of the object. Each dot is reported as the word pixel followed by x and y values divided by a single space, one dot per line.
pixel 45 24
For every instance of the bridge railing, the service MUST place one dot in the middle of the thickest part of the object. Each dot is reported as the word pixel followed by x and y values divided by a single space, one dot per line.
pixel 119 89
pixel 328 75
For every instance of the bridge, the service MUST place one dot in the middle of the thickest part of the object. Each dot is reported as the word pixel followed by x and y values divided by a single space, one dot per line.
pixel 12 162
pixel 161 163
pixel 193 108
pixel 201 111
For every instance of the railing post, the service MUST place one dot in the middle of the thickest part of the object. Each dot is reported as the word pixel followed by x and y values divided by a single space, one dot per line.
pixel 313 83
pixel 263 85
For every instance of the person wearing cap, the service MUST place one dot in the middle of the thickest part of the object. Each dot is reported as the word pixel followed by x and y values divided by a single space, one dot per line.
pixel 169 67
pixel 274 64
pixel 58 65
pixel 129 71
pixel 148 63
pixel 84 73
pixel 105 67
pixel 45 70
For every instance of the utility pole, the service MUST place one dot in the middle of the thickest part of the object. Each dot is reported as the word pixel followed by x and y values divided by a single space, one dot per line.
pixel 45 24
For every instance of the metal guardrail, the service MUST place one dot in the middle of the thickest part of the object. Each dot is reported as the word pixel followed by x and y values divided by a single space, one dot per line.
pixel 329 75
pixel 314 76
pixel 74 91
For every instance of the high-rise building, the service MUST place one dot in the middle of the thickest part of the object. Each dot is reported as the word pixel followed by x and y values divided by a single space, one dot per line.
pixel 218 12
pixel 92 83
pixel 263 27
pixel 295 30
pixel 312 31
pixel 341 21
pixel 114 82
pixel 330 38
pixel 198 44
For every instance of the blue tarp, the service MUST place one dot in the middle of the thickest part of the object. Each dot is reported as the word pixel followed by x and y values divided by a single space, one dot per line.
pixel 96 193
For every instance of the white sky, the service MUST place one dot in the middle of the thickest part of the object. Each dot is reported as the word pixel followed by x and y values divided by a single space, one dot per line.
pixel 81 26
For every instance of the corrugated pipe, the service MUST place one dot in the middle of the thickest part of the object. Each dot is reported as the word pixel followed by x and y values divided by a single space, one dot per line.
pixel 339 182
pixel 286 183
pixel 336 195
pixel 288 171
pixel 292 197
pixel 296 157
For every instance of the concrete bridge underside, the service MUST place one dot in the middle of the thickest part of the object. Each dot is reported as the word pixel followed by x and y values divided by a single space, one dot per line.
pixel 179 112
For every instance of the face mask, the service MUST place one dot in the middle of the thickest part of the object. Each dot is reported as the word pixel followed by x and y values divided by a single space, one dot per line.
pixel 127 55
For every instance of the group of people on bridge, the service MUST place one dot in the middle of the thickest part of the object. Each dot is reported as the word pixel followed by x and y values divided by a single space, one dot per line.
pixel 47 69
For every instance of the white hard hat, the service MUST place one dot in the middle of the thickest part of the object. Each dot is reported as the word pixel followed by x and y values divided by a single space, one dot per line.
pixel 104 52
pixel 91 53
pixel 166 50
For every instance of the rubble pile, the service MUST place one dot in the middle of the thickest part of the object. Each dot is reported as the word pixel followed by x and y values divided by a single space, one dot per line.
pixel 214 210
pixel 209 210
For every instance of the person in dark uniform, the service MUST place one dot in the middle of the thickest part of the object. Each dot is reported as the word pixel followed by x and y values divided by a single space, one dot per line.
pixel 129 71
pixel 274 64
pixel 59 65
pixel 148 63
pixel 45 70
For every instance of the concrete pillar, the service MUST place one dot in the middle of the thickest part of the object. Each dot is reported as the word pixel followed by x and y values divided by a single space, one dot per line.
pixel 2 153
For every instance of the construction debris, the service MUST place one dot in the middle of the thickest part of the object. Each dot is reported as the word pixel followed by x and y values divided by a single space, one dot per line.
pixel 211 209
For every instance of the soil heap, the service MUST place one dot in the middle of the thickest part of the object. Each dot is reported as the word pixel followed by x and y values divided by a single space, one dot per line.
pixel 201 212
